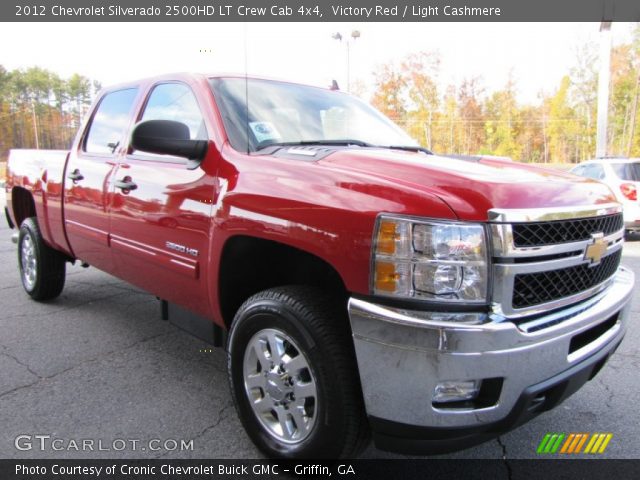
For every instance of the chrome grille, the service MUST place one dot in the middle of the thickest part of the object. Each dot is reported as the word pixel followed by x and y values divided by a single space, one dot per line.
pixel 543 258
pixel 532 234
pixel 531 289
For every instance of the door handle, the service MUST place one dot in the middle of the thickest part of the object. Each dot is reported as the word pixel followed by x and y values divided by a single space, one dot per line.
pixel 126 184
pixel 76 176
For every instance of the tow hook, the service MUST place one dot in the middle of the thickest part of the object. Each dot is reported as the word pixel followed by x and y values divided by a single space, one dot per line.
pixel 14 237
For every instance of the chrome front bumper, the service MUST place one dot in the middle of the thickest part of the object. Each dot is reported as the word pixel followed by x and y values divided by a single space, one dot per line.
pixel 403 354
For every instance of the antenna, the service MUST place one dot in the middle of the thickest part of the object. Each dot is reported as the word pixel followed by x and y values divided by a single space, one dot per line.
pixel 246 82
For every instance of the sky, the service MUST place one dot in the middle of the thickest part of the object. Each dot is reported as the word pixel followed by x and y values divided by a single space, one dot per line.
pixel 536 55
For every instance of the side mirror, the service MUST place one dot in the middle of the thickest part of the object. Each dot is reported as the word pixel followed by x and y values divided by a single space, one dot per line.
pixel 167 137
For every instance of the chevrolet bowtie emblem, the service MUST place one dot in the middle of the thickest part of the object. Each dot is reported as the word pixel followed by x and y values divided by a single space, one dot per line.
pixel 596 250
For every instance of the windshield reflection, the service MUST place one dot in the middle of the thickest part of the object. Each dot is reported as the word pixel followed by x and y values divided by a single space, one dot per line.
pixel 280 112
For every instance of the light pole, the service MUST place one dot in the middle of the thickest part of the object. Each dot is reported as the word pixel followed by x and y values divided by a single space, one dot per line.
pixel 35 124
pixel 603 89
pixel 355 34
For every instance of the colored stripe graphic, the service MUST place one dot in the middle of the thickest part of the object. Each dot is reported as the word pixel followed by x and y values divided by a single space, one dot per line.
pixel 552 440
pixel 556 445
pixel 550 443
pixel 592 440
pixel 543 443
pixel 598 443
pixel 567 443
pixel 572 443
pixel 582 440
pixel 604 445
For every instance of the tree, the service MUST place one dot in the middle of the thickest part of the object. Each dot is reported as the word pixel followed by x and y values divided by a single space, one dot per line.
pixel 500 127
pixel 420 71
pixel 470 93
pixel 79 88
pixel 583 94
pixel 562 129
pixel 633 143
pixel 623 81
pixel 390 86
pixel 38 100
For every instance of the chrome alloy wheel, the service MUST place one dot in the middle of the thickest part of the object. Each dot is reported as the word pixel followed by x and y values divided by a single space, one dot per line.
pixel 28 261
pixel 280 386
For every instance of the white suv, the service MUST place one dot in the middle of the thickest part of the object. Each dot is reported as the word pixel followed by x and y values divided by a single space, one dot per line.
pixel 622 175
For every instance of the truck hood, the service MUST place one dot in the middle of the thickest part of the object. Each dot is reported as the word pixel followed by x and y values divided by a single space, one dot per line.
pixel 471 187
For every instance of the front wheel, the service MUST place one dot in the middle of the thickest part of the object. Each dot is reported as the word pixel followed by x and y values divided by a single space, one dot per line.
pixel 293 375
pixel 42 269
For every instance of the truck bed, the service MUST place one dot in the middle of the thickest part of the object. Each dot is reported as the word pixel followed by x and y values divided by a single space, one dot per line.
pixel 40 172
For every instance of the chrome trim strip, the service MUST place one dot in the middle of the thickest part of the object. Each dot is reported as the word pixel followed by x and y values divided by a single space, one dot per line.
pixel 556 320
pixel 422 319
pixel 548 214
pixel 556 264
pixel 502 236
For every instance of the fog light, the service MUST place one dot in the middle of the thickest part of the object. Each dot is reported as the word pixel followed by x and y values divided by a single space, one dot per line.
pixel 456 391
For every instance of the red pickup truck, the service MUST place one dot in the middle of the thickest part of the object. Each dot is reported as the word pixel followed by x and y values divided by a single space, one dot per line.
pixel 364 286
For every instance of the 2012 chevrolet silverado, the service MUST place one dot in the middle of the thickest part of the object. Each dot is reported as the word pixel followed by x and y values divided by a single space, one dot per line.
pixel 364 286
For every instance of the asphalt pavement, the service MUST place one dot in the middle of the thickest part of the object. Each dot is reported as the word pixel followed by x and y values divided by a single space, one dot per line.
pixel 99 365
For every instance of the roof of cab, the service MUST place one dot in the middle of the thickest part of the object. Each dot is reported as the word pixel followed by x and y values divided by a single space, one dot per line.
pixel 203 76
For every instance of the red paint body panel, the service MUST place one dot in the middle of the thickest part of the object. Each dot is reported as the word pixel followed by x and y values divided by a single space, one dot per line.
pixel 326 207
pixel 172 204
pixel 471 188
pixel 86 209
pixel 41 172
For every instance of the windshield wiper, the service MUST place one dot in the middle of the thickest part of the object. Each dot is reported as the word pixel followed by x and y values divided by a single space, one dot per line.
pixel 346 142
pixel 302 143
pixel 408 148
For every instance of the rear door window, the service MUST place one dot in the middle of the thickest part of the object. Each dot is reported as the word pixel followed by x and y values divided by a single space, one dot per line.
pixel 110 121
pixel 627 171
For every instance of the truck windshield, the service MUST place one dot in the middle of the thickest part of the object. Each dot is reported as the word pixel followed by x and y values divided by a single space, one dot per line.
pixel 286 113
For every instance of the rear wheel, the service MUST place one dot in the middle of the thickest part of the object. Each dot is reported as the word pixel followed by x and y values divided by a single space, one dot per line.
pixel 42 269
pixel 293 375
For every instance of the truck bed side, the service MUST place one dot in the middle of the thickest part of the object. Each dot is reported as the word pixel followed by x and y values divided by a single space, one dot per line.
pixel 35 186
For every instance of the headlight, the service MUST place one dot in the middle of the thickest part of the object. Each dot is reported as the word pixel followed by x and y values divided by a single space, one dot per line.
pixel 430 260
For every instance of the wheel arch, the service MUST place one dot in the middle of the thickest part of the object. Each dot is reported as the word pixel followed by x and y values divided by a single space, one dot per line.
pixel 250 264
pixel 22 205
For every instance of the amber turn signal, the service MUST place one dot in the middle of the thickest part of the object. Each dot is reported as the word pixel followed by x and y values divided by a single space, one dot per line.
pixel 387 236
pixel 386 276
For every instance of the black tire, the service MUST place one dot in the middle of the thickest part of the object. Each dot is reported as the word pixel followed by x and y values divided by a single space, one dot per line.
pixel 48 269
pixel 317 326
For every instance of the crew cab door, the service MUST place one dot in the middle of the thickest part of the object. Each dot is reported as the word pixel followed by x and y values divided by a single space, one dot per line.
pixel 161 210
pixel 87 187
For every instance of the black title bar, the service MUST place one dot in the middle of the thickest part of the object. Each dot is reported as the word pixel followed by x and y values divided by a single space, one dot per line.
pixel 346 469
pixel 319 10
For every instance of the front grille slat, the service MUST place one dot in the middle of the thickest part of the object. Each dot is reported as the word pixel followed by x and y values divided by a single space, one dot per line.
pixel 532 289
pixel 535 234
